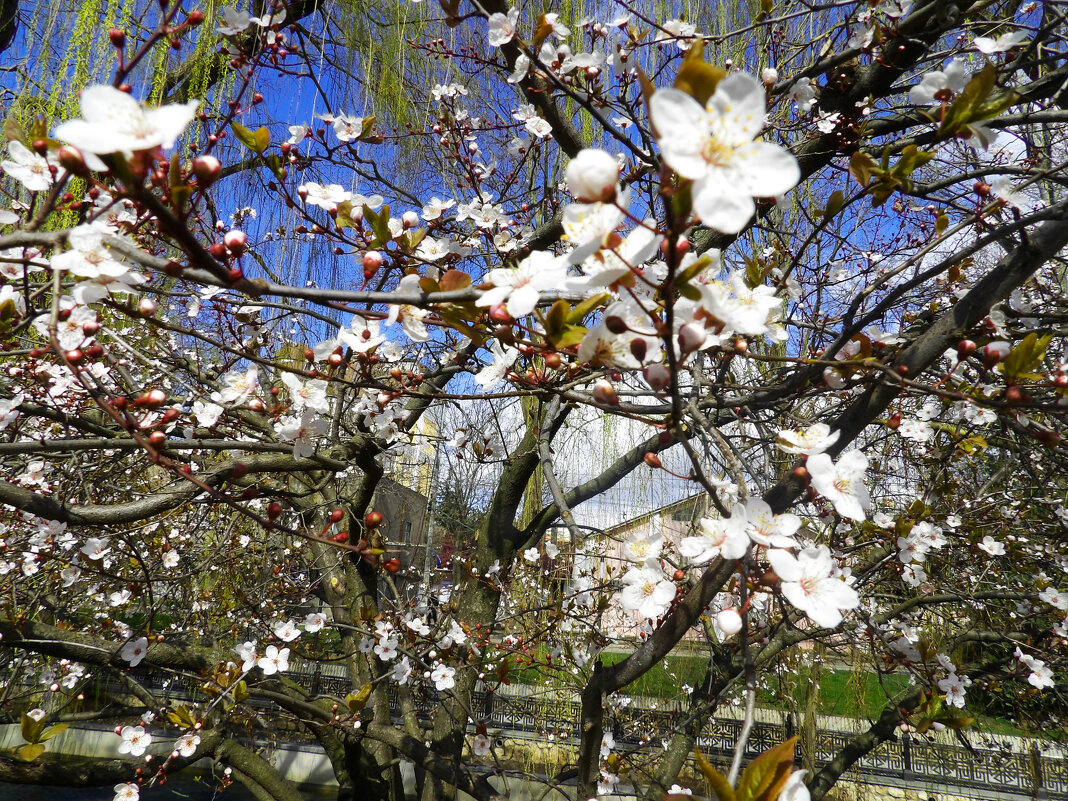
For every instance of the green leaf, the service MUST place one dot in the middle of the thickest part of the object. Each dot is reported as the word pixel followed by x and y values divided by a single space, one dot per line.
pixel 834 204
pixel 1026 356
pixel 579 312
pixel 256 141
pixel 52 731
pixel 764 777
pixel 28 753
pixel 717 782
pixel 571 335
pixel 181 717
pixel 861 167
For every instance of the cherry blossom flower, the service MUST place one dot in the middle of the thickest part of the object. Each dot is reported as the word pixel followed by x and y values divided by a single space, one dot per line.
pixel 646 591
pixel 436 207
pixel 443 677
pixel 314 622
pixel 480 745
pixel 386 649
pixel 741 309
pixel 915 430
pixel 402 670
pixel 842 484
pixel 134 651
pixel 274 660
pixel 310 394
pixel 113 121
pixel 346 128
pixel 410 317
pixel 128 791
pixel 769 529
pixel 95 548
pixel 286 630
pixel 1041 676
pixel 643 547
pixel 1003 44
pixel 521 288
pixel 954 688
pixel 362 335
pixel 233 21
pixel 135 740
pixel 187 744
pixel 302 430
pixel 170 559
pixel 718 537
pixel 992 546
pixel 806 582
pixel 325 197
pixel 677 31
pixel 940 85
pixel 538 128
pixel 26 167
pixel 728 623
pixel 809 441
pixel 502 27
pixel 1055 598
pixel 237 386
pixel 714 147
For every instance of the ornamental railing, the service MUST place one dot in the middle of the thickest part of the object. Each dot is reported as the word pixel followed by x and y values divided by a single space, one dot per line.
pixel 907 760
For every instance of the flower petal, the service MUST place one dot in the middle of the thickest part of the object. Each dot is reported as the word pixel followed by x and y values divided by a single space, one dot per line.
pixel 720 205
pixel 682 129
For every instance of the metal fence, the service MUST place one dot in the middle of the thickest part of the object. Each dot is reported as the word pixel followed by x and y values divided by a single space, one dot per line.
pixel 907 760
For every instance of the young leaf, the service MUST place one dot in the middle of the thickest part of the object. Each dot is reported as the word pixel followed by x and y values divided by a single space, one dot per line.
pixel 453 280
pixel 358 700
pixel 256 141
pixel 696 77
pixel 716 780
pixel 764 777
pixel 28 753
pixel 52 731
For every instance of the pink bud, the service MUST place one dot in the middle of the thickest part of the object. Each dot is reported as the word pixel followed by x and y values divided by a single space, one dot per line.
pixel 691 337
pixel 372 260
pixel 146 308
pixel 657 376
pixel 235 241
pixel 207 170
pixel 995 352
pixel 605 394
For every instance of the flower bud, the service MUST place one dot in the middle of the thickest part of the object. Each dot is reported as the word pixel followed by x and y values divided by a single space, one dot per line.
pixel 235 241
pixel 995 352
pixel 409 219
pixel 117 37
pixel 657 376
pixel 605 394
pixel 592 176
pixel 769 76
pixel 372 260
pixel 691 337
pixel 71 159
pixel 207 170
pixel 729 622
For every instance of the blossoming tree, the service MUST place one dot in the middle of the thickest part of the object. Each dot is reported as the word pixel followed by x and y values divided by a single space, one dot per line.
pixel 808 260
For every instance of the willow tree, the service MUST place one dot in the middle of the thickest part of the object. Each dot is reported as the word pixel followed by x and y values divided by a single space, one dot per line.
pixel 806 261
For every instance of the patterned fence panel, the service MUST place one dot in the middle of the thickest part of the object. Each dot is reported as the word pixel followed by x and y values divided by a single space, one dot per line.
pixel 905 759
